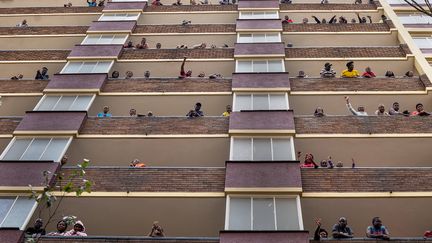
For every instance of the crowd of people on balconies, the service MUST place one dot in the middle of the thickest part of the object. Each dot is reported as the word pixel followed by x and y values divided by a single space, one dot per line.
pixel 195 2
pixel 91 3
pixel 327 163
pixel 333 20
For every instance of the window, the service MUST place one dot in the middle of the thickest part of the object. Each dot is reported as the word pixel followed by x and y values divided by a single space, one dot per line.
pixel 258 37
pixel 260 102
pixel 415 19
pixel 259 15
pixel 261 149
pixel 105 40
pixel 15 212
pixel 119 16
pixel 88 67
pixel 260 66
pixel 423 42
pixel 263 213
pixel 41 148
pixel 65 103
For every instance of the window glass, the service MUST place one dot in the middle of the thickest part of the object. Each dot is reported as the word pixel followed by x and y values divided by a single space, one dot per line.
pixel 87 67
pixel 72 67
pixel 263 214
pixel 17 149
pixel 262 149
pixel 278 102
pixel 5 204
pixel 242 149
pixel 19 213
pixel 260 102
pixel 81 103
pixel 65 102
pixel 36 148
pixel 240 214
pixel 275 66
pixel 259 37
pixel 243 102
pixel 244 66
pixel 282 149
pixel 260 66
pixel 119 16
pixel 102 67
pixel 55 149
pixel 286 214
pixel 245 38
pixel 91 39
pixel 48 103
pixel 270 37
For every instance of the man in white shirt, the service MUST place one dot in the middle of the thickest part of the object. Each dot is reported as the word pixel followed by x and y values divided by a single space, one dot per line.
pixel 360 110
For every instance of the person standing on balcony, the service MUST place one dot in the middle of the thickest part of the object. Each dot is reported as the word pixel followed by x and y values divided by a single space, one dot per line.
pixel 350 72
pixel 360 110
pixel 92 3
pixel 377 230
pixel 342 230
pixel 157 230
pixel 184 74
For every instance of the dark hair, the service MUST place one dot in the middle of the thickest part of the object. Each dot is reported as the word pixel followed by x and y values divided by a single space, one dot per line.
pixel 349 63
pixel 419 104
pixel 375 219
pixel 198 104
pixel 394 103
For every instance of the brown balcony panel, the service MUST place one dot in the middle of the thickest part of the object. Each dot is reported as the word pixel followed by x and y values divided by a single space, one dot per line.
pixel 48 55
pixel 85 82
pixel 264 236
pixel 374 27
pixel 262 175
pixel 367 180
pixel 345 52
pixel 363 125
pixel 260 81
pixel 273 4
pixel 8 125
pixel 155 126
pixel 154 179
pixel 177 53
pixel 190 8
pixel 193 28
pixel 51 122
pixel 259 24
pixel 167 85
pixel 22 86
pixel 277 121
pixel 50 10
pixel 358 84
pixel 23 174
pixel 125 239
pixel 332 6
pixel 51 30
pixel 259 49
pixel 111 6
pixel 11 235
pixel 95 52
pixel 112 26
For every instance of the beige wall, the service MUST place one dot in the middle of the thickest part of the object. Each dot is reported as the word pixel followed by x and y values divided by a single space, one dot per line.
pixel 60 19
pixel 153 152
pixel 172 41
pixel 134 216
pixel 8 70
pixel 161 105
pixel 298 16
pixel 39 3
pixel 172 69
pixel 196 18
pixel 359 39
pixel 336 105
pixel 404 217
pixel 374 152
pixel 40 43
pixel 17 106
pixel 313 67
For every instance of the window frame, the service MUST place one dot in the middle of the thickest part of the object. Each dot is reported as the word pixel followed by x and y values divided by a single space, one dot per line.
pixel 426 39
pixel 14 139
pixel 415 18
pixel 117 16
pixel 255 33
pixel 82 63
pixel 252 61
pixel 26 220
pixel 258 93
pixel 120 36
pixel 93 97
pixel 274 197
pixel 270 14
pixel 291 140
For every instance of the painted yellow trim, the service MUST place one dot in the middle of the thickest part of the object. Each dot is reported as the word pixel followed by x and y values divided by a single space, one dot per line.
pixel 356 135
pixel 6 136
pixel 71 91
pixel 14 194
pixel 20 94
pixel 154 136
pixel 108 32
pixel 337 33
pixel 263 189
pixel 259 30
pixel 59 132
pixel 358 92
pixel 418 30
pixel 109 58
pixel 192 12
pixel 33 61
pixel 259 55
pixel 162 93
pixel 40 36
pixel 19 188
pixel 257 89
pixel 332 11
pixel 180 34
pixel 265 131
pixel 176 60
pixel 364 194
pixel 132 10
pixel 145 194
pixel 48 14
pixel 350 58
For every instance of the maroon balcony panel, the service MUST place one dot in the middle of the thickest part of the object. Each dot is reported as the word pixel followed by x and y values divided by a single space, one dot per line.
pixel 258 4
pixel 76 82
pixel 23 173
pixel 112 26
pixel 263 174
pixel 52 121
pixel 11 235
pixel 260 80
pixel 259 49
pixel 113 6
pixel 264 236
pixel 259 24
pixel 262 120
pixel 95 51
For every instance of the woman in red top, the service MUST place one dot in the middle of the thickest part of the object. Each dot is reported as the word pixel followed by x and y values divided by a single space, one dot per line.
pixel 309 162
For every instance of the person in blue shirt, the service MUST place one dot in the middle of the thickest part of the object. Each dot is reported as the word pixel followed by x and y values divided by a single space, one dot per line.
pixel 105 112
pixel 92 3
pixel 377 230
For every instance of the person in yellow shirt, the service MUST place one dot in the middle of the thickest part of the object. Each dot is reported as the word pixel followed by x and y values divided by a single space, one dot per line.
pixel 350 72
pixel 228 111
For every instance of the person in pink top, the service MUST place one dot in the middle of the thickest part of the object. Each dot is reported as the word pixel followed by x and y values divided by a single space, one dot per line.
pixel 78 230
pixel 309 162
